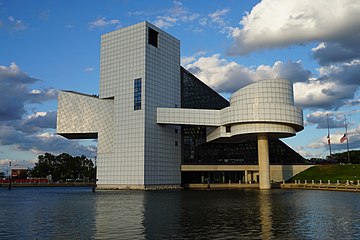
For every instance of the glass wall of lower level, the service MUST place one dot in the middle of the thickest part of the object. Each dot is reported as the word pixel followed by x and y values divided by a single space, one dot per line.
pixel 219 177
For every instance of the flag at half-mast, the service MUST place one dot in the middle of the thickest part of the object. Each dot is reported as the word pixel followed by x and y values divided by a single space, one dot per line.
pixel 343 138
pixel 328 138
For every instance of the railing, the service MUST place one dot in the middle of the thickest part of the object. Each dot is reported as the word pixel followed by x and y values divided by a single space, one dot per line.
pixel 338 186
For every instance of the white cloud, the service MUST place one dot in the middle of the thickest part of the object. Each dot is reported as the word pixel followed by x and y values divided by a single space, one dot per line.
pixel 227 77
pixel 165 21
pixel 177 13
pixel 353 135
pixel 281 23
pixel 41 142
pixel 35 91
pixel 15 93
pixel 88 69
pixel 333 87
pixel 15 25
pixel 217 16
pixel 321 94
pixel 69 26
pixel 325 120
pixel 220 74
pixel 186 60
pixel 101 22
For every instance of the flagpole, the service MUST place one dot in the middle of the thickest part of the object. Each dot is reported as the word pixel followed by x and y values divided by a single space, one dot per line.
pixel 347 141
pixel 328 136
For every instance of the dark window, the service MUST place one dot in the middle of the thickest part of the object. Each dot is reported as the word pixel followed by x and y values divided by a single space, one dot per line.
pixel 153 37
pixel 176 143
pixel 228 129
pixel 176 130
pixel 137 94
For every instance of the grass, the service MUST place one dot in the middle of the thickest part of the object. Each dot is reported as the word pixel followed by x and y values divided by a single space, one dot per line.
pixel 333 173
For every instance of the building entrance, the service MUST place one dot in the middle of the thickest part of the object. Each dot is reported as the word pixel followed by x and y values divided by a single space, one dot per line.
pixel 219 177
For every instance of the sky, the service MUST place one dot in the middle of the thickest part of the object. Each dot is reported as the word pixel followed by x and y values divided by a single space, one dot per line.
pixel 47 46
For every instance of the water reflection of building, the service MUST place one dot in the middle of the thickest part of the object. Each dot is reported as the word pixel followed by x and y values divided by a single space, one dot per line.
pixel 158 126
pixel 265 214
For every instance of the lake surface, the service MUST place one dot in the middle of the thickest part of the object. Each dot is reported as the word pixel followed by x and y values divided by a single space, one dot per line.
pixel 77 213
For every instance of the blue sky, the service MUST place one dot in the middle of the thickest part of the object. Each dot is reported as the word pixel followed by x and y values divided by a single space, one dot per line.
pixel 48 46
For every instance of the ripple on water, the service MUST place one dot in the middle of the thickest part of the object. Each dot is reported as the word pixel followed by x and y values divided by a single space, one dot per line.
pixel 76 213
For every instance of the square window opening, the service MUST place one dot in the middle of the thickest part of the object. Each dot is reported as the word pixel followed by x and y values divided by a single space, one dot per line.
pixel 153 37
pixel 228 129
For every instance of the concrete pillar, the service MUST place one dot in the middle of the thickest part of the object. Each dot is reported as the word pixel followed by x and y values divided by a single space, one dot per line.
pixel 264 165
pixel 246 177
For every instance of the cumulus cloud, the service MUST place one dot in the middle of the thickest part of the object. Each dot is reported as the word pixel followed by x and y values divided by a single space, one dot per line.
pixel 332 87
pixel 323 120
pixel 227 77
pixel 102 22
pixel 186 60
pixel 36 122
pixel 272 24
pixel 347 72
pixel 293 71
pixel 353 135
pixel 325 95
pixel 220 74
pixel 15 92
pixel 334 52
pixel 336 86
pixel 40 143
pixel 33 132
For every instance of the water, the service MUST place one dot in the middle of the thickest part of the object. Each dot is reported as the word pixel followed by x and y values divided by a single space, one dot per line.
pixel 77 213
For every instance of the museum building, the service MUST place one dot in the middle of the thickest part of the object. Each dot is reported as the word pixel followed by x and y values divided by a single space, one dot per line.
pixel 158 126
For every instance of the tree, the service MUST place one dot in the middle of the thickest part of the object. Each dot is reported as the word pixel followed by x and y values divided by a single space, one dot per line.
pixel 343 156
pixel 64 166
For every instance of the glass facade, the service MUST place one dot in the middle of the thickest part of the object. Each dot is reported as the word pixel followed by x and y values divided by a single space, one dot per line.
pixel 197 95
pixel 137 94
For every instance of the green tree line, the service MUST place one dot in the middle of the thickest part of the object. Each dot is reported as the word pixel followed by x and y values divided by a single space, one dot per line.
pixel 63 167
pixel 342 157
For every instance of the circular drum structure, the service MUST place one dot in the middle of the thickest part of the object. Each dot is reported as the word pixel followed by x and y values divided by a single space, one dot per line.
pixel 263 109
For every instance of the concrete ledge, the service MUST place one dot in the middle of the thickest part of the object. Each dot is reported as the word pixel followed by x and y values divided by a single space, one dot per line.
pixel 323 186
pixel 220 186
pixel 136 187
pixel 49 184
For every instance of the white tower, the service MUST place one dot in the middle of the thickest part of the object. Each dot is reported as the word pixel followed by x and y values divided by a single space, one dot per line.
pixel 139 72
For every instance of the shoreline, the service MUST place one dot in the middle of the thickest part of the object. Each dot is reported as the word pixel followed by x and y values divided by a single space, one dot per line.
pixel 214 186
pixel 50 184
